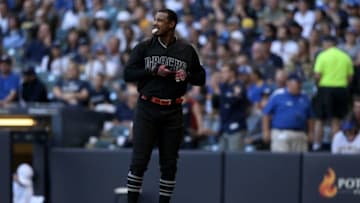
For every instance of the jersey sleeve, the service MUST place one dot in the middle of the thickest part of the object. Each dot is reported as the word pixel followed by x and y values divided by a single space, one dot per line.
pixel 269 109
pixel 135 68
pixel 196 73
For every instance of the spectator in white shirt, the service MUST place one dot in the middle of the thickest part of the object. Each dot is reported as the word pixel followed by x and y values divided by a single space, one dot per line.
pixel 124 20
pixel 54 63
pixel 283 46
pixel 346 141
pixel 101 64
pixel 71 17
pixel 305 17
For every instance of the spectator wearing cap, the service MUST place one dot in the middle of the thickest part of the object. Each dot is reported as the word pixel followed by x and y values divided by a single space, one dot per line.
pixel 284 46
pixel 244 69
pixel 273 58
pixel 233 109
pixel 350 46
pixel 333 72
pixel 352 8
pixel 305 17
pixel 101 64
pixel 9 81
pixel 101 32
pixel 124 19
pixel 70 90
pixel 72 16
pixel 346 141
pixel 14 38
pixel 41 44
pixel 32 89
pixel 255 89
pixel 55 63
pixel 83 53
pixel 287 120
pixel 295 30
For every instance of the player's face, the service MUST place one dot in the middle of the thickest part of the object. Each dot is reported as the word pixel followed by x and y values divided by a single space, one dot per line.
pixel 162 23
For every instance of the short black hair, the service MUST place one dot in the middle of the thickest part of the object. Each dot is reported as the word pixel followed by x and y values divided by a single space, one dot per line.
pixel 171 14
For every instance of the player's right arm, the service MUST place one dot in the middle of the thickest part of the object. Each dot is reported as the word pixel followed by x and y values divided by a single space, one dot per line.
pixel 135 68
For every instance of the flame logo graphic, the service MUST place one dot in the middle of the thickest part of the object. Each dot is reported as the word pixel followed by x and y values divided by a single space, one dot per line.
pixel 327 188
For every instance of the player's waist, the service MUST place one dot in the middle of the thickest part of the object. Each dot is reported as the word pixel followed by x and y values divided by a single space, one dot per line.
pixel 162 101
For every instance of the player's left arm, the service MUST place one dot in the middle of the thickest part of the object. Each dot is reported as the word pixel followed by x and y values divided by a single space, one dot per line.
pixel 195 72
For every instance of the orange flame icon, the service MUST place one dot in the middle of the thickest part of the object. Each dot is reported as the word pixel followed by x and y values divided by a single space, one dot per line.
pixel 327 188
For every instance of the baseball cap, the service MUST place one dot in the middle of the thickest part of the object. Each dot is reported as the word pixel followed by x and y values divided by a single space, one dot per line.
pixel 294 77
pixel 329 38
pixel 29 71
pixel 101 15
pixel 6 59
pixel 266 91
pixel 83 41
pixel 246 70
pixel 347 125
pixel 233 20
pixel 237 35
pixel 351 30
pixel 265 39
pixel 56 44
pixel 247 23
pixel 123 16
pixel 100 48
pixel 352 3
pixel 25 174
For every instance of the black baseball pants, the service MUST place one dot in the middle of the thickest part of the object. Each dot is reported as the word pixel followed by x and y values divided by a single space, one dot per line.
pixel 161 125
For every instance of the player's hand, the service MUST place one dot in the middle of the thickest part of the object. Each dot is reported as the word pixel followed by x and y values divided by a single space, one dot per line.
pixel 180 75
pixel 162 71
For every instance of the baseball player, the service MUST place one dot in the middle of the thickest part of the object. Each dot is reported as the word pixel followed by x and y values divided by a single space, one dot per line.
pixel 162 67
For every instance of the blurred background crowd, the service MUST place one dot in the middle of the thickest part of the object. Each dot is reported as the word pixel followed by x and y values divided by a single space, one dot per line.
pixel 73 53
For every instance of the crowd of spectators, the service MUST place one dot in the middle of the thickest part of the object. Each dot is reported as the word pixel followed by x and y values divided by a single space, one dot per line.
pixel 259 57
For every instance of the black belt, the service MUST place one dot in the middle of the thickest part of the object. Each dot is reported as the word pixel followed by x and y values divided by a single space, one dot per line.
pixel 162 102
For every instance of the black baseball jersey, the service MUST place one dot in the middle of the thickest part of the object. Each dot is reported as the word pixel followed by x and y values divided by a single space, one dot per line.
pixel 177 55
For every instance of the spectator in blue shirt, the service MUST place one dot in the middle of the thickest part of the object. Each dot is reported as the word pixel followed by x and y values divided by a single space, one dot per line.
pixel 14 38
pixel 288 115
pixel 233 109
pixel 41 44
pixel 257 86
pixel 9 81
